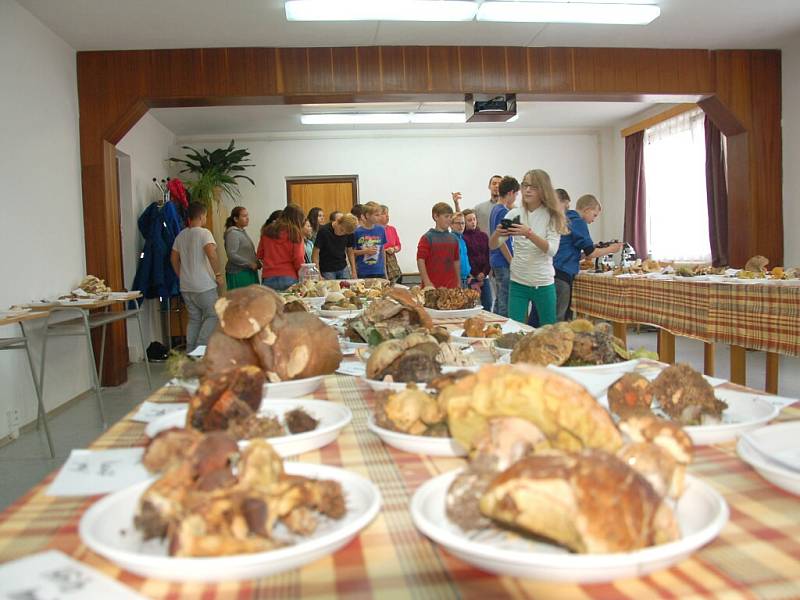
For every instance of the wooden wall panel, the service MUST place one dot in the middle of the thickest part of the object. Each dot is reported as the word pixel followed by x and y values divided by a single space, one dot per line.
pixel 320 67
pixel 473 72
pixel 739 88
pixel 416 62
pixel 516 69
pixel 445 70
pixel 368 69
pixel 393 69
pixel 293 67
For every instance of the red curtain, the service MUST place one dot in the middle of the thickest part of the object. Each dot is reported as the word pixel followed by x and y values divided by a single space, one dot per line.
pixel 716 195
pixel 635 228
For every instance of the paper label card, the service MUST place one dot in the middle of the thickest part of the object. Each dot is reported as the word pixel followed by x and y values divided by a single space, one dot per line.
pixel 91 472
pixel 53 575
pixel 150 411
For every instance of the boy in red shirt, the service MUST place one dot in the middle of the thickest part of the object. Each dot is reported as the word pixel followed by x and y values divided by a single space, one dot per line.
pixel 437 251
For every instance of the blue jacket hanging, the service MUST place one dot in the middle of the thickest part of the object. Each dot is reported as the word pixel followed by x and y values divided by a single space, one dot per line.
pixel 159 226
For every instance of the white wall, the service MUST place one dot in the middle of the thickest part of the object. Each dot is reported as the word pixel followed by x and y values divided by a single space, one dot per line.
pixel 410 173
pixel 143 151
pixel 41 230
pixel 791 153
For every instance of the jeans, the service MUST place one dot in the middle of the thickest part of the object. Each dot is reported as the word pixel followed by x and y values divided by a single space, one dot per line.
pixel 343 274
pixel 563 299
pixel 501 280
pixel 486 295
pixel 202 318
pixel 279 283
pixel 543 298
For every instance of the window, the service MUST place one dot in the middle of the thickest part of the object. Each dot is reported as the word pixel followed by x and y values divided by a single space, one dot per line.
pixel 677 210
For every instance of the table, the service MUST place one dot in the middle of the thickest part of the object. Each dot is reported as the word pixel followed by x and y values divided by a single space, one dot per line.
pixel 756 316
pixel 21 343
pixel 757 554
pixel 82 325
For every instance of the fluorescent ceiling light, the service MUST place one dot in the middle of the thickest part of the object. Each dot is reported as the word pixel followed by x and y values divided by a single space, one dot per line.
pixel 355 119
pixel 381 118
pixel 568 12
pixel 380 10
pixel 438 118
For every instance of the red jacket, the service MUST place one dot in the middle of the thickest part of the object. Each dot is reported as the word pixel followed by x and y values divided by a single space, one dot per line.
pixel 281 256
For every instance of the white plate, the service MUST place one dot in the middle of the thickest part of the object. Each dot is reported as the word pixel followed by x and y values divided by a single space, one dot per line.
pixel 332 419
pixel 190 385
pixel 395 386
pixel 701 514
pixel 4 314
pixel 778 438
pixel 417 444
pixel 745 412
pixel 80 302
pixel 340 314
pixel 314 301
pixel 454 314
pixel 457 335
pixel 107 529
pixel 293 388
pixel 621 367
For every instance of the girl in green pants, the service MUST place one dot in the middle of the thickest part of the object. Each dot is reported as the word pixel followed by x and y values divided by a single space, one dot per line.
pixel 536 230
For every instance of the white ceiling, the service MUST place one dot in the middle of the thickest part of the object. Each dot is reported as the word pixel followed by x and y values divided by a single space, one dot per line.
pixel 255 120
pixel 142 24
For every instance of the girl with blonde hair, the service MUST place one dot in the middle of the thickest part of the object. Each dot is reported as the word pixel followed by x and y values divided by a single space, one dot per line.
pixel 535 229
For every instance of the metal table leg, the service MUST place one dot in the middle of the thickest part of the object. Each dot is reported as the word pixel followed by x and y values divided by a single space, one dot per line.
pixel 40 410
pixel 93 367
pixel 144 350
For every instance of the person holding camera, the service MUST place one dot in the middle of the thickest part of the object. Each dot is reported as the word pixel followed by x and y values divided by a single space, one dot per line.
pixel 578 241
pixel 500 257
pixel 536 229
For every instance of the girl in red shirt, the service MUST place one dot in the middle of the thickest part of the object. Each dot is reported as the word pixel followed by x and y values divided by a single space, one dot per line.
pixel 281 249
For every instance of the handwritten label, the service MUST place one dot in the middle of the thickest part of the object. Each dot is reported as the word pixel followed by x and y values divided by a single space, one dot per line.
pixel 90 472
pixel 150 411
pixel 53 575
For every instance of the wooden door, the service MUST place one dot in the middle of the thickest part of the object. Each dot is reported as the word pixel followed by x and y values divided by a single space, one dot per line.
pixel 328 194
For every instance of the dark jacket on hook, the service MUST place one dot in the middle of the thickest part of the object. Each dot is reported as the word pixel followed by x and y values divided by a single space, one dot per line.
pixel 159 226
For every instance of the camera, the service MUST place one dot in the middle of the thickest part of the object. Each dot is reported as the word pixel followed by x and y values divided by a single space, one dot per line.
pixel 507 223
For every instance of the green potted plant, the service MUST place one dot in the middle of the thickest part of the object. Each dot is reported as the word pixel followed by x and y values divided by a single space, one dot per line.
pixel 216 172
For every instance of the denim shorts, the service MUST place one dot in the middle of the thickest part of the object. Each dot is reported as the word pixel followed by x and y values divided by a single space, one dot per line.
pixel 342 274
pixel 278 283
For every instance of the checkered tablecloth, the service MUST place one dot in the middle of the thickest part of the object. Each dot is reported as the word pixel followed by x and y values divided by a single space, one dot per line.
pixel 758 316
pixel 756 556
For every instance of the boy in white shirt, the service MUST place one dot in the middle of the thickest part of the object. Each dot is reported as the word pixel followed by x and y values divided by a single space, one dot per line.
pixel 194 259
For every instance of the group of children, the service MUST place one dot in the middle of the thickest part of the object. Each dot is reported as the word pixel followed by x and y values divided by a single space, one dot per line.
pixel 522 259
pixel 527 258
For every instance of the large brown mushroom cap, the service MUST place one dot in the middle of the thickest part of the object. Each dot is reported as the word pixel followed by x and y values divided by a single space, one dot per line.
pixel 224 353
pixel 590 502
pixel 562 409
pixel 304 347
pixel 244 312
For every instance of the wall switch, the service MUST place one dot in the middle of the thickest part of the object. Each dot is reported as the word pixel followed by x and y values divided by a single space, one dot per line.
pixel 13 418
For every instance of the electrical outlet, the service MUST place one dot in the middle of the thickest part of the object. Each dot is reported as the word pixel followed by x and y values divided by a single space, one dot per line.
pixel 13 418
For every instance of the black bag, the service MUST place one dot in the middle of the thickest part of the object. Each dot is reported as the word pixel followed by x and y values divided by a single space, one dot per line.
pixel 157 352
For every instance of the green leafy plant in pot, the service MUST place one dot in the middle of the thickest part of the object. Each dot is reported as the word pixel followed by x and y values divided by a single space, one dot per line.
pixel 216 172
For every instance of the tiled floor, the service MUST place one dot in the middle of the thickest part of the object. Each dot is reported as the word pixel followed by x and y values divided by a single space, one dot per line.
pixel 24 462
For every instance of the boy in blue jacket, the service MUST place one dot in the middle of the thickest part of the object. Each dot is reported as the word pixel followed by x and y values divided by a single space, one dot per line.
pixel 578 241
